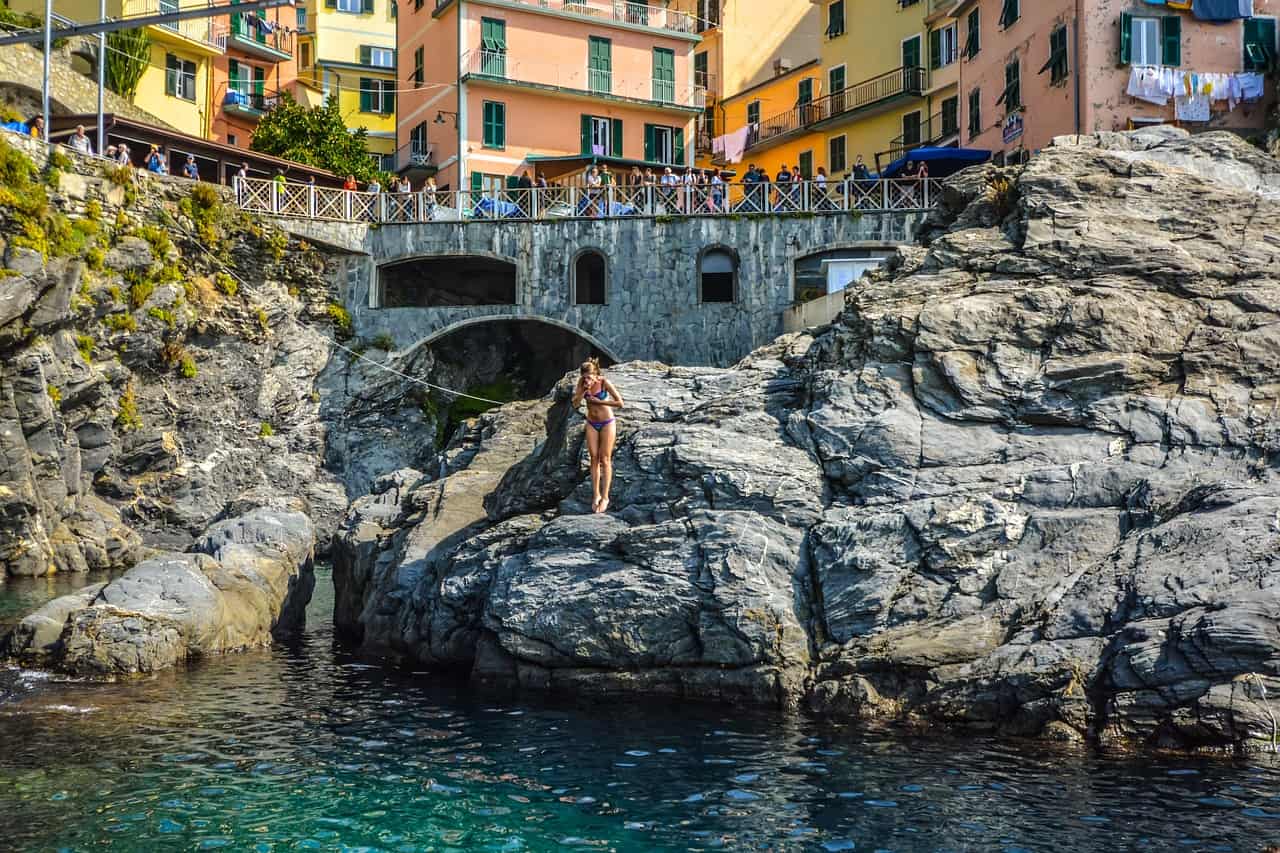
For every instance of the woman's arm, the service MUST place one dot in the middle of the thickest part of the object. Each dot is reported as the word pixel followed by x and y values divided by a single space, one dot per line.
pixel 615 399
pixel 578 393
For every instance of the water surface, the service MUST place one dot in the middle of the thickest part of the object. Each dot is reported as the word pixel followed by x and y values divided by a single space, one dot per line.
pixel 308 748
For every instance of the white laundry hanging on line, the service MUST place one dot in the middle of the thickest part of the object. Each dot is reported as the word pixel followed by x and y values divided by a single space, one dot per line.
pixel 1145 85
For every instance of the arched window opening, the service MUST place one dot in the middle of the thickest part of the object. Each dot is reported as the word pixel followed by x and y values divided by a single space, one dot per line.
pixel 719 273
pixel 590 278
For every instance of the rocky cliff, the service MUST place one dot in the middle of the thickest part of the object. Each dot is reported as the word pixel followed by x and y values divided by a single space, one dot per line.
pixel 1026 483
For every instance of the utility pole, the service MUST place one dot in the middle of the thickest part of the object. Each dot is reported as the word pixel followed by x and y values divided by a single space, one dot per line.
pixel 102 79
pixel 48 49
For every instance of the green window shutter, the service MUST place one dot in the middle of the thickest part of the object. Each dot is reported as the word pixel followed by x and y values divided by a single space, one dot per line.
pixel 1171 40
pixel 331 4
pixel 664 74
pixel 367 6
pixel 1126 38
pixel 615 137
pixel 804 92
pixel 233 74
pixel 649 152
pixel 586 134
pixel 477 184
pixel 935 49
pixel 259 81
pixel 806 164
pixel 366 54
pixel 388 97
pixel 1259 43
pixel 677 136
pixel 366 95
pixel 512 182
pixel 599 64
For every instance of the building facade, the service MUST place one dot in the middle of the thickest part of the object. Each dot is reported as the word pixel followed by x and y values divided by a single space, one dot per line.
pixel 1040 69
pixel 347 51
pixel 501 87
pixel 774 115
pixel 259 63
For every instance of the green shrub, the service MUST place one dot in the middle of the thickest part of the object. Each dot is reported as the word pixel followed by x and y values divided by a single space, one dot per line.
pixel 277 242
pixel 187 367
pixel 59 159
pixel 204 209
pixel 122 322
pixel 127 417
pixel 94 257
pixel 384 341
pixel 265 430
pixel 226 284
pixel 158 239
pixel 84 343
pixel 163 315
pixel 55 394
pixel 93 210
pixel 341 319
pixel 114 292
pixel 264 322
pixel 140 291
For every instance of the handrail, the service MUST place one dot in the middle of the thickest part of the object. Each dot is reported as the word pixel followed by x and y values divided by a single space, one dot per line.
pixel 499 65
pixel 634 12
pixel 567 202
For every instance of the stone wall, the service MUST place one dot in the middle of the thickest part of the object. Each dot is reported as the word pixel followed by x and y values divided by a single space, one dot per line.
pixel 653 309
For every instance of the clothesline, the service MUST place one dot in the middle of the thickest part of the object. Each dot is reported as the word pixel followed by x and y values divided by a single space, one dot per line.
pixel 1194 92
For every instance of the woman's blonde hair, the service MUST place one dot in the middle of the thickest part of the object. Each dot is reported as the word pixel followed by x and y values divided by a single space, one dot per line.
pixel 591 367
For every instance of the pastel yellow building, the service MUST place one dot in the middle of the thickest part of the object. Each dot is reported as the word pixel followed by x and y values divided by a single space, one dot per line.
pixel 776 114
pixel 177 85
pixel 349 52
pixel 889 79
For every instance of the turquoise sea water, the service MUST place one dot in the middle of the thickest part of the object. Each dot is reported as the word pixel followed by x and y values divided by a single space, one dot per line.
pixel 307 748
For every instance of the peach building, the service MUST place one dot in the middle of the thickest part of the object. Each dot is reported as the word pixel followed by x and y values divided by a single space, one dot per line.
pixel 498 87
pixel 260 61
pixel 1035 69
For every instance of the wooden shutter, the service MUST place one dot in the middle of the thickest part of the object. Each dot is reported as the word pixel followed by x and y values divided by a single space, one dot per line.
pixel 331 4
pixel 649 153
pixel 1126 38
pixel 366 95
pixel 259 81
pixel 366 55
pixel 477 185
pixel 804 92
pixel 367 6
pixel 388 97
pixel 615 137
pixel 1171 40
pixel 677 143
pixel 599 64
pixel 586 134
pixel 935 48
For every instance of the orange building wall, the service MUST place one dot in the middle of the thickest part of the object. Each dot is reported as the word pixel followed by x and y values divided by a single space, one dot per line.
pixel 439 37
pixel 280 77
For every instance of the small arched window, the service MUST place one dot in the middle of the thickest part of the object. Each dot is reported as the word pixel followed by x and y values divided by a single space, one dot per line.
pixel 718 271
pixel 590 278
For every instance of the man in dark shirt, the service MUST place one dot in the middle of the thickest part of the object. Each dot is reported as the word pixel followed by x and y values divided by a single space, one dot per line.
pixel 190 169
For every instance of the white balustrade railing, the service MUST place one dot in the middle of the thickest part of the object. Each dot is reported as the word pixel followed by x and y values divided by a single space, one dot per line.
pixel 563 202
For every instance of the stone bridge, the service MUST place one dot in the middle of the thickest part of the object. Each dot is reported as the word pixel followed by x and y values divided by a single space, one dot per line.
pixel 682 290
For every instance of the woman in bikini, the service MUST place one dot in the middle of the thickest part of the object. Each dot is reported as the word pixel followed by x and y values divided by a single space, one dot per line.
pixel 602 430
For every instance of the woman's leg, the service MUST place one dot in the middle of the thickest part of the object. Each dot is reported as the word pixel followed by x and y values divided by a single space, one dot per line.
pixel 608 436
pixel 593 448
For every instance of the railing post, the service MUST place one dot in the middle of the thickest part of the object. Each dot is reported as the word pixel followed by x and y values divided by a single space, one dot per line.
pixel 573 200
pixel 927 183
pixel 533 203
pixel 311 201
pixel 884 194
pixel 346 205
pixel 806 202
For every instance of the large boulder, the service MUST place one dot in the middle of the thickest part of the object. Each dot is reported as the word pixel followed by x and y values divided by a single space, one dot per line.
pixel 246 579
pixel 1026 483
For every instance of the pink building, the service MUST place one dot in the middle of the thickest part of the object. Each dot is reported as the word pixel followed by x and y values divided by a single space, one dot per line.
pixel 505 86
pixel 1035 69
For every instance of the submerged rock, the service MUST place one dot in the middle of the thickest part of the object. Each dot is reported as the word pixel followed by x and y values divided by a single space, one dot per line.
pixel 246 579
pixel 1026 483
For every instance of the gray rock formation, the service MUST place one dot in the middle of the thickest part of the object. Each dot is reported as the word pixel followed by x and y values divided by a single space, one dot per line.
pixel 1027 483
pixel 245 580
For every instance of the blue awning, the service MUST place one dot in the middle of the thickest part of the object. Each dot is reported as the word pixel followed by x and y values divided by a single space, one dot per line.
pixel 942 161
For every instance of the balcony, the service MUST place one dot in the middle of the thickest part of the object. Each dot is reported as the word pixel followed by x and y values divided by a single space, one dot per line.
pixel 249 37
pixel 249 104
pixel 625 12
pixel 577 80
pixel 199 34
pixel 415 155
pixel 935 131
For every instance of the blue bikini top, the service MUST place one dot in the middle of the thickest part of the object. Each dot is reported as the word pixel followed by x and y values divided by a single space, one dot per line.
pixel 603 395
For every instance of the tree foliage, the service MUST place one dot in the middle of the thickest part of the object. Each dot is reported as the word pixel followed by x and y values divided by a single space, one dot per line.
pixel 316 136
pixel 128 55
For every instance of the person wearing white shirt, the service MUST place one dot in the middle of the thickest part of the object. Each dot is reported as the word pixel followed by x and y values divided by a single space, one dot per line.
pixel 80 142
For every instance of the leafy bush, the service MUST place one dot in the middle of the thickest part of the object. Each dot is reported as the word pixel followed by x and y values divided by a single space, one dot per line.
pixel 55 394
pixel 94 258
pixel 127 417
pixel 264 322
pixel 163 315
pixel 226 284
pixel 158 239
pixel 122 322
pixel 384 341
pixel 141 286
pixel 84 343
pixel 341 319
pixel 265 430
pixel 93 210
pixel 187 367
pixel 58 159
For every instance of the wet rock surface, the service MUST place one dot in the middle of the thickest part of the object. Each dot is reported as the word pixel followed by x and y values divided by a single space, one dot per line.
pixel 1027 483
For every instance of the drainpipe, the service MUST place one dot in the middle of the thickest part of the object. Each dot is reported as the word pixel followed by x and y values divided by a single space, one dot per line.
pixel 1080 69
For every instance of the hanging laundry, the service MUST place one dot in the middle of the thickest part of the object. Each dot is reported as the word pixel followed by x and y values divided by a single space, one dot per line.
pixel 266 27
pixel 1192 109
pixel 1252 86
pixel 1145 85
pixel 1222 10
pixel 1179 4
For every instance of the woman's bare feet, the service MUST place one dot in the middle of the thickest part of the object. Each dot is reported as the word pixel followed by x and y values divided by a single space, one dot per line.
pixel 595 505
pixel 603 506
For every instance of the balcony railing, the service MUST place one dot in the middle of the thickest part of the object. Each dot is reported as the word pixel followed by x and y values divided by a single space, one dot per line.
pixel 495 65
pixel 566 202
pixel 933 131
pixel 415 155
pixel 899 82
pixel 244 29
pixel 250 102
pixel 210 33
pixel 619 11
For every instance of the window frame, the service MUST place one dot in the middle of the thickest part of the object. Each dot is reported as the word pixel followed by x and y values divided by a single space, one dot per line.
pixel 843 68
pixel 419 65
pixel 832 168
pixel 493 115
pixel 1012 82
pixel 973 34
pixel 1059 62
pixel 836 28
pixel 663 89
pixel 954 130
pixel 736 264
pixel 753 107
pixel 975 113
pixel 358 4
pixel 575 284
pixel 1249 63
pixel 177 77
pixel 1155 45
pixel 371 51
pixel 1010 14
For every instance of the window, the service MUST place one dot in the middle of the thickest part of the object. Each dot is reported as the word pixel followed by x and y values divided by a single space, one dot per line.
pixel 1011 97
pixel 1009 14
pixel 601 136
pixel 664 75
pixel 600 65
pixel 1057 64
pixel 377 96
pixel 804 92
pixel 835 19
pixel 973 41
pixel 418 139
pixel 1259 44
pixel 911 52
pixel 304 54
pixel 378 57
pixel 835 88
pixel 700 70
pixel 355 7
pixel 708 14
pixel 942 47
pixel 419 62
pixel 302 19
pixel 837 159
pixel 179 77
pixel 1150 41
pixel 975 114
pixel 495 124
pixel 590 277
pixel 490 186
pixel 911 128
pixel 231 139
pixel 753 112
pixel 806 164
pixel 950 116
pixel 493 47
pixel 664 144
pixel 718 271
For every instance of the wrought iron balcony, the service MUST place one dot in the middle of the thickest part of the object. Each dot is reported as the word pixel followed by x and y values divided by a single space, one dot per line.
pixel 248 35
pixel 249 104
pixel 618 11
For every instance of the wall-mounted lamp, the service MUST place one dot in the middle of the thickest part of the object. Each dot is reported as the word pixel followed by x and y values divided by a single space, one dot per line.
pixel 440 114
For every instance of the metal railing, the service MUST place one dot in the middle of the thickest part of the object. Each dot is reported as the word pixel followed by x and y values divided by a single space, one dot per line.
pixel 277 39
pixel 211 33
pixel 567 202
pixel 621 11
pixel 931 131
pixel 415 155
pixel 498 65
pixel 257 101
